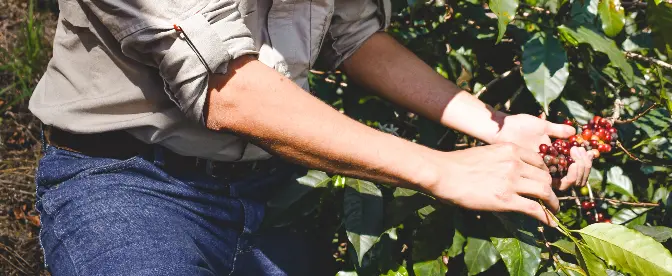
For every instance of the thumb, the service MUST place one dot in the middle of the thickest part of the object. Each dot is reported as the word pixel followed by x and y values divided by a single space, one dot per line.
pixel 559 130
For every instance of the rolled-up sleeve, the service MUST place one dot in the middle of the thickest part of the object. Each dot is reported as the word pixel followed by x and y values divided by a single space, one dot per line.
pixel 186 40
pixel 353 22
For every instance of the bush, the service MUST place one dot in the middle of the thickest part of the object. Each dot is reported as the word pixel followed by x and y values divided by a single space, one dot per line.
pixel 552 58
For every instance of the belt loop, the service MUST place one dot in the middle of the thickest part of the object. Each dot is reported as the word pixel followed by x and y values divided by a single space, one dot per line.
pixel 158 161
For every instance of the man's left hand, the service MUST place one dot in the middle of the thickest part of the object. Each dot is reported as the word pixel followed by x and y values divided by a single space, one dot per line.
pixel 529 132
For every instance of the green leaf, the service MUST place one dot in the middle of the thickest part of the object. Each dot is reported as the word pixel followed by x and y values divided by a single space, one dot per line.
pixel 430 268
pixel 628 215
pixel 628 250
pixel 601 44
pixel 434 235
pixel 658 233
pixel 520 258
pixel 346 273
pixel 659 17
pixel 581 115
pixel 505 11
pixel 565 246
pixel 612 16
pixel 584 12
pixel 363 211
pixel 458 244
pixel 591 264
pixel 545 68
pixel 399 271
pixel 403 206
pixel 479 255
pixel 297 199
pixel 621 182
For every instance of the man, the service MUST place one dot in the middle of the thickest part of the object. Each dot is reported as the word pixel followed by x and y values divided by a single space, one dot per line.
pixel 162 118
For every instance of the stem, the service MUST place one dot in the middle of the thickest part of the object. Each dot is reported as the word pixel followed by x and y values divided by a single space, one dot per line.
pixel 617 121
pixel 498 78
pixel 614 202
pixel 658 62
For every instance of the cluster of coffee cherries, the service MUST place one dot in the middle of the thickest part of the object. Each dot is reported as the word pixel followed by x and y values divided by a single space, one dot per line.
pixel 588 207
pixel 597 137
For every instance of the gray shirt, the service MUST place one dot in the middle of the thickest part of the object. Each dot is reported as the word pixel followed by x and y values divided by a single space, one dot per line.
pixel 143 65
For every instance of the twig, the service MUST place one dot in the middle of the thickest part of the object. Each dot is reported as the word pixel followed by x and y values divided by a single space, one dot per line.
pixel 614 202
pixel 617 121
pixel 658 62
pixel 618 143
pixel 498 78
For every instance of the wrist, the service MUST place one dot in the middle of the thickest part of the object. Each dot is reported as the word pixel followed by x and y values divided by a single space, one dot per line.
pixel 498 119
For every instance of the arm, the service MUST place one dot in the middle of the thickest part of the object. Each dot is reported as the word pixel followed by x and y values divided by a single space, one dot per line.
pixel 256 102
pixel 417 87
pixel 215 80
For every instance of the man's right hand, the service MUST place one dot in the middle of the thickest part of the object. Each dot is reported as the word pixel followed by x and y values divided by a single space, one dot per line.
pixel 495 178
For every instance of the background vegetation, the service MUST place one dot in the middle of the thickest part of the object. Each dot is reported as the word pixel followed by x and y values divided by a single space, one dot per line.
pixel 556 59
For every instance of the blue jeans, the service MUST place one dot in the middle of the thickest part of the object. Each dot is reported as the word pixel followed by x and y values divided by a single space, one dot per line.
pixel 129 217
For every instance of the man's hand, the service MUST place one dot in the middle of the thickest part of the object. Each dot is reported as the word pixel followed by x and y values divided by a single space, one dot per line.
pixel 495 178
pixel 529 132
pixel 395 73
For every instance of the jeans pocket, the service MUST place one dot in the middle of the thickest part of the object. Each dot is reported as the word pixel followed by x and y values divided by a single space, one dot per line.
pixel 59 170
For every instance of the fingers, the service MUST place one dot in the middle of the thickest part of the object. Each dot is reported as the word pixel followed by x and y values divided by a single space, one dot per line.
pixel 577 154
pixel 532 209
pixel 540 190
pixel 559 130
pixel 569 179
pixel 534 173
pixel 532 158
pixel 588 164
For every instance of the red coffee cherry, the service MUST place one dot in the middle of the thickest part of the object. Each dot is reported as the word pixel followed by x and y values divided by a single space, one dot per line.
pixel 587 205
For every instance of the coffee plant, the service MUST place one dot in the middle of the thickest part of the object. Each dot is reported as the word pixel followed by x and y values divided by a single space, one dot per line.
pixel 600 65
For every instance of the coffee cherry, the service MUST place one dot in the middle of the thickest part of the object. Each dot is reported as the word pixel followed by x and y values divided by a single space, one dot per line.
pixel 543 148
pixel 553 169
pixel 596 120
pixel 555 161
pixel 603 122
pixel 576 144
pixel 552 151
pixel 584 190
pixel 600 217
pixel 570 160
pixel 563 162
pixel 586 134
pixel 587 205
pixel 607 137
pixel 594 137
pixel 607 148
pixel 547 159
pixel 606 221
pixel 568 122
pixel 572 139
pixel 594 143
pixel 595 152
pixel 612 130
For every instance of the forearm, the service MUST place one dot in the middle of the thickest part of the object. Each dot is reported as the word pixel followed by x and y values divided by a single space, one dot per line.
pixel 254 101
pixel 385 66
